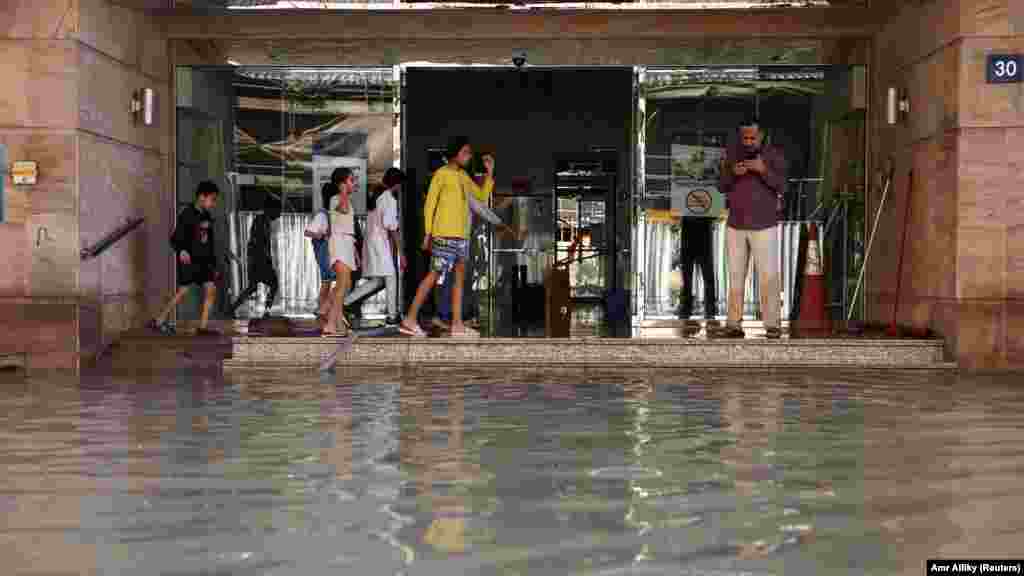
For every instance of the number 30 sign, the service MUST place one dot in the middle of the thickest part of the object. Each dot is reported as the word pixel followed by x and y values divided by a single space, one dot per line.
pixel 1004 68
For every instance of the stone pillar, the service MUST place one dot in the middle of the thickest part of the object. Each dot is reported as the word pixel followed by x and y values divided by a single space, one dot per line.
pixel 73 69
pixel 963 275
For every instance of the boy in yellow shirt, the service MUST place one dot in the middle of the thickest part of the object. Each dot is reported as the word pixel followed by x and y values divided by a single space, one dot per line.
pixel 445 227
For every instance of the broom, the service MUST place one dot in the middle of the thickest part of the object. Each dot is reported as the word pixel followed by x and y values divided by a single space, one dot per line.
pixel 859 329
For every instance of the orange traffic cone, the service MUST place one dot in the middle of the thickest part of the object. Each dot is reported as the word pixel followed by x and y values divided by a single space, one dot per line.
pixel 812 321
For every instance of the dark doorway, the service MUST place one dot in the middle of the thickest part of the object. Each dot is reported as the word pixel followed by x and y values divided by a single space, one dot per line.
pixel 532 121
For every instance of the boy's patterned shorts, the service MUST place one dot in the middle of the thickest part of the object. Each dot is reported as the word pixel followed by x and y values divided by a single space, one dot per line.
pixel 445 253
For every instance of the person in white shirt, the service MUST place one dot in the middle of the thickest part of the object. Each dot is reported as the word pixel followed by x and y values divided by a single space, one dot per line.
pixel 382 246
pixel 337 228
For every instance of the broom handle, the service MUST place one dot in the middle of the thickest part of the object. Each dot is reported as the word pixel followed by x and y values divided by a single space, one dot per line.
pixel 903 246
pixel 871 241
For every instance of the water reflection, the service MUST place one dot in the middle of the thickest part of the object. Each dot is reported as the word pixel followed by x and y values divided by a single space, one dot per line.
pixel 532 471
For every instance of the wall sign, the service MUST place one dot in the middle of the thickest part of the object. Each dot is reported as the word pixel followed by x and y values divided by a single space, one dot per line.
pixel 1004 68
pixel 697 200
pixel 694 184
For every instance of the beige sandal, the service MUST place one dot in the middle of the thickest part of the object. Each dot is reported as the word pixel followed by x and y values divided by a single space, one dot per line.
pixel 466 332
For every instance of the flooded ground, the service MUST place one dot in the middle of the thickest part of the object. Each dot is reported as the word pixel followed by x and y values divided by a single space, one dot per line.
pixel 536 472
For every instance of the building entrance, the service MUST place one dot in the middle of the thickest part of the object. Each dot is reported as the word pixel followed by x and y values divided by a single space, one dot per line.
pixel 594 166
pixel 563 141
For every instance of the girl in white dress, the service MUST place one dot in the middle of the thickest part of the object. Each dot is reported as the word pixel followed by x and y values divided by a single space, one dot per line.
pixel 341 241
pixel 382 246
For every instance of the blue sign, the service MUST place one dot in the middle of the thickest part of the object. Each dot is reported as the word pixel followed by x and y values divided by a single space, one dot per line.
pixel 1004 68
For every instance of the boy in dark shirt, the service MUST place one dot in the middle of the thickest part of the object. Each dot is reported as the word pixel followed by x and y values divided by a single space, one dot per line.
pixel 194 252
pixel 261 263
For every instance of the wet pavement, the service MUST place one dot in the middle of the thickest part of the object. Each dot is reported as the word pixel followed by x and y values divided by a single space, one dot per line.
pixel 539 471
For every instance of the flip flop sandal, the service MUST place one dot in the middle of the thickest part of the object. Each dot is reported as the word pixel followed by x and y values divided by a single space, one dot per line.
pixel 466 332
pixel 416 332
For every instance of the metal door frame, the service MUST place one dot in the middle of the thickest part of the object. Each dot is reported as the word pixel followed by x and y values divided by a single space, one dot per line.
pixel 639 194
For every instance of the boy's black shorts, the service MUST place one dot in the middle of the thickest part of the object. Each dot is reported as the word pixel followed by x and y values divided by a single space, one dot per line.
pixel 198 273
pixel 261 271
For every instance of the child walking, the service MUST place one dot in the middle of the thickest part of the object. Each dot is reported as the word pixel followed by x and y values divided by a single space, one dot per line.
pixel 382 246
pixel 335 230
pixel 318 231
pixel 259 256
pixel 196 260
pixel 445 225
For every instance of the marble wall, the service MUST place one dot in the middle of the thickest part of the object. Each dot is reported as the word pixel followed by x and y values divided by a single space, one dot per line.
pixel 123 166
pixel 961 271
pixel 74 67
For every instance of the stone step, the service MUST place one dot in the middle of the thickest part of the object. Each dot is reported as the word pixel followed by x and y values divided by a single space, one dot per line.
pixel 292 342
pixel 667 352
pixel 141 349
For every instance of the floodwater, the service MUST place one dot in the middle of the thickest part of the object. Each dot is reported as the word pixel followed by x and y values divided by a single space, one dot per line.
pixel 542 471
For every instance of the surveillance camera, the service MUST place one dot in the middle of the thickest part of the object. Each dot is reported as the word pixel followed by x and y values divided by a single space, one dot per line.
pixel 519 59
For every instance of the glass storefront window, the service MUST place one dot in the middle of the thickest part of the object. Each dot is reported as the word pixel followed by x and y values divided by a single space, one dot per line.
pixel 290 123
pixel 690 116
pixel 287 129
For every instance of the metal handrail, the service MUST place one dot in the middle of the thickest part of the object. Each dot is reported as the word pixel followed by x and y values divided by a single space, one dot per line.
pixel 110 239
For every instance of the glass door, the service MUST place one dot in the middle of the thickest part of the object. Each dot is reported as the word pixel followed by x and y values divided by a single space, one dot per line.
pixel 585 192
pixel 844 241
pixel 519 260
pixel 292 128
pixel 689 116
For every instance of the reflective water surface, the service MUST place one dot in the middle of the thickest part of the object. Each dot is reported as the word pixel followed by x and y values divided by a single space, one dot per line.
pixel 543 471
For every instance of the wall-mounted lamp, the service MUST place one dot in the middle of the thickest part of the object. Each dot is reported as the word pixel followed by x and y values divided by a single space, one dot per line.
pixel 144 104
pixel 148 106
pixel 897 106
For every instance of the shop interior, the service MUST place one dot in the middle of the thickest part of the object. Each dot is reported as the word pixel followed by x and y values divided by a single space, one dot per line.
pixel 562 164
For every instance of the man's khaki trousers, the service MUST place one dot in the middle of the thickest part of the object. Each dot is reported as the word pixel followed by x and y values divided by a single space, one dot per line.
pixel 763 246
